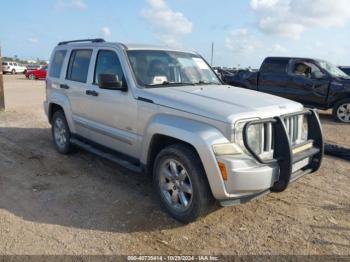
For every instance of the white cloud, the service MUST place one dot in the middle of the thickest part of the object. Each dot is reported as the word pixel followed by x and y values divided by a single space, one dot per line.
pixel 106 32
pixel 33 40
pixel 166 23
pixel 289 18
pixel 66 4
pixel 242 41
pixel 245 45
pixel 278 49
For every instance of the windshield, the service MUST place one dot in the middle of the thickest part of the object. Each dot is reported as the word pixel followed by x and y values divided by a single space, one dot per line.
pixel 154 68
pixel 332 69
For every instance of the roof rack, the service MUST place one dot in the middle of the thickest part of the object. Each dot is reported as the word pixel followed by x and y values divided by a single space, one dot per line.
pixel 95 40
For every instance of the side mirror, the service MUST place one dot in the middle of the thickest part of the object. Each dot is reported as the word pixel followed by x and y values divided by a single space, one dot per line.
pixel 318 75
pixel 110 81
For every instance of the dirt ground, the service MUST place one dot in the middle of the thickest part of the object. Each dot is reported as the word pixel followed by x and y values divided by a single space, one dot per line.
pixel 82 204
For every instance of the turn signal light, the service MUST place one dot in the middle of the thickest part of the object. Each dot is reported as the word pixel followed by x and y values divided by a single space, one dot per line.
pixel 223 171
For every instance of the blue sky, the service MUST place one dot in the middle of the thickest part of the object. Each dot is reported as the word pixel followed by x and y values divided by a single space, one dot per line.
pixel 244 31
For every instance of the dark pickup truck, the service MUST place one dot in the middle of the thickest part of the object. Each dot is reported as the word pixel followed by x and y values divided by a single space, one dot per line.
pixel 314 83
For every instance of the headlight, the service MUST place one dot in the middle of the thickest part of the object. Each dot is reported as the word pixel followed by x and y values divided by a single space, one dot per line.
pixel 254 137
pixel 227 149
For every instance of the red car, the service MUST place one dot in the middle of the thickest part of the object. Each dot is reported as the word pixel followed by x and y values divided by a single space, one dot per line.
pixel 37 74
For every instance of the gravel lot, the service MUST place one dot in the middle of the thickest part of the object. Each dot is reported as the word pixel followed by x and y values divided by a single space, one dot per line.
pixel 82 204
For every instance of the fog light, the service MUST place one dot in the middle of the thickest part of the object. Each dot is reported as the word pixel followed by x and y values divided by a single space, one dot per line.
pixel 227 149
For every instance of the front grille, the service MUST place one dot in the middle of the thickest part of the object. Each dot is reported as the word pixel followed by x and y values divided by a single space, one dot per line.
pixel 294 127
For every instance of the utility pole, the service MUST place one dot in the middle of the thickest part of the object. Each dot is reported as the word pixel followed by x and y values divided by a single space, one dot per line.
pixel 212 53
pixel 2 95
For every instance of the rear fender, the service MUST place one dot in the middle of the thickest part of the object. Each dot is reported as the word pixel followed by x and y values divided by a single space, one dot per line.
pixel 62 100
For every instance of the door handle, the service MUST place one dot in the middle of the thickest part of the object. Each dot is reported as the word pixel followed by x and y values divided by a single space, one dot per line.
pixel 91 93
pixel 64 86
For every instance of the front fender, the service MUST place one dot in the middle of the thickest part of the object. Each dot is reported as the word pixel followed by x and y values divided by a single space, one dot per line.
pixel 201 136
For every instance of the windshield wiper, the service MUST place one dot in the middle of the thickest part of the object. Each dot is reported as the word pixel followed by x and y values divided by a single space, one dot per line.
pixel 166 83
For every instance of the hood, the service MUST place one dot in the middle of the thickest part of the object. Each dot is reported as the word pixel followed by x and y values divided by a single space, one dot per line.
pixel 222 102
pixel 341 81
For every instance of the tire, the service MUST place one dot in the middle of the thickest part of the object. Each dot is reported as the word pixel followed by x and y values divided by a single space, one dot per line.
pixel 341 111
pixel 191 186
pixel 61 134
pixel 24 72
pixel 31 77
pixel 13 71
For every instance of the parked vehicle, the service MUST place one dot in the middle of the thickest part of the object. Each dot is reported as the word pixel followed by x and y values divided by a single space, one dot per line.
pixel 12 68
pixel 314 83
pixel 164 112
pixel 37 74
pixel 345 69
pixel 33 67
pixel 238 78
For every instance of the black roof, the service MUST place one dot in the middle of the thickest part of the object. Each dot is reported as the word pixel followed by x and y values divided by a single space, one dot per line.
pixel 290 57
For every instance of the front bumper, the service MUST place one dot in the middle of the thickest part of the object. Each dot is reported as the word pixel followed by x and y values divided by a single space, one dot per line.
pixel 250 176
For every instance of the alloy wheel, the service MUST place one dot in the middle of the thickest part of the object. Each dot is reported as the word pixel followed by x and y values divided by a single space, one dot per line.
pixel 343 113
pixel 60 133
pixel 175 185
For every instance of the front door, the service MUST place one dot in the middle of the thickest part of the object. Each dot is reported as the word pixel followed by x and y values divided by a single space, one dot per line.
pixel 309 84
pixel 112 114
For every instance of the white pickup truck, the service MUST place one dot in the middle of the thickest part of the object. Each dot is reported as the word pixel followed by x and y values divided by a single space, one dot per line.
pixel 165 112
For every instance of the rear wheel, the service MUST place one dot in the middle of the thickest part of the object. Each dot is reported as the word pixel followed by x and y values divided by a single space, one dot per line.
pixel 13 71
pixel 341 111
pixel 31 77
pixel 60 133
pixel 181 184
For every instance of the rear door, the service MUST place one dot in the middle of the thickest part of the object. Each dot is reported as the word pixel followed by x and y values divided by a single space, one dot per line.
pixel 310 88
pixel 74 85
pixel 274 79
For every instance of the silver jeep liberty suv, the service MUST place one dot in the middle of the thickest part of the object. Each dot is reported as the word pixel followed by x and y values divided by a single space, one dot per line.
pixel 164 112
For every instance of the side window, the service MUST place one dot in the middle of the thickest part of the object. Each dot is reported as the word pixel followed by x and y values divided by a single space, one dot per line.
pixel 275 66
pixel 306 69
pixel 107 62
pixel 57 63
pixel 78 67
pixel 15 64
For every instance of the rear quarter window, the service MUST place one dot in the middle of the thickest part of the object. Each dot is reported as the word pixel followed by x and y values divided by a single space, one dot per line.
pixel 4 63
pixel 275 66
pixel 57 63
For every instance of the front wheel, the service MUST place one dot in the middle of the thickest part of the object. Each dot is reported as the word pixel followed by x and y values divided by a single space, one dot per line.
pixel 181 184
pixel 13 71
pixel 31 77
pixel 341 111
pixel 61 134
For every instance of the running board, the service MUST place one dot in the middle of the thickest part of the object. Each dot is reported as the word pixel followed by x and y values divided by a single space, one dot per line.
pixel 119 161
